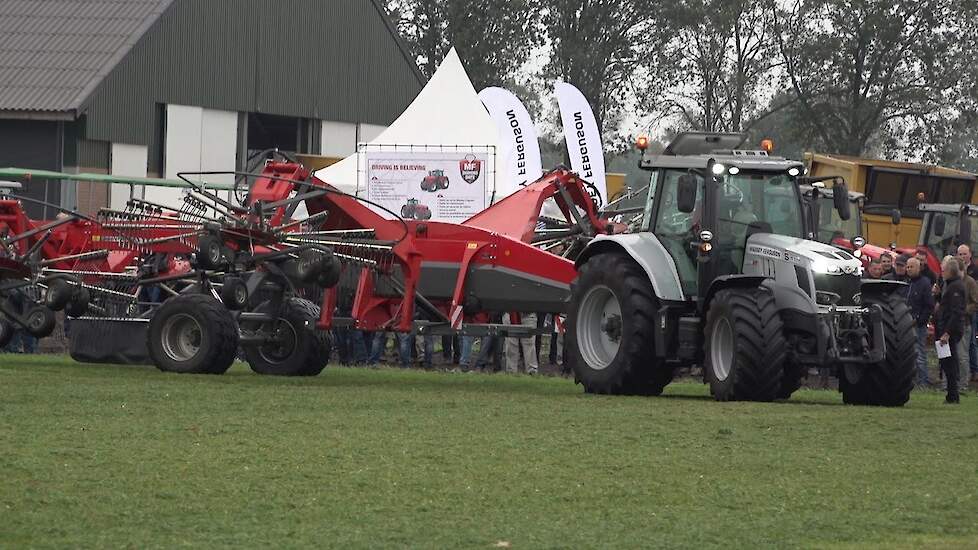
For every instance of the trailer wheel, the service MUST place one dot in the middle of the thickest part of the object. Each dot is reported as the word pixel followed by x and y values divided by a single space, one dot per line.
pixel 744 347
pixel 40 321
pixel 889 382
pixel 234 293
pixel 610 329
pixel 58 294
pixel 210 252
pixel 78 305
pixel 193 333
pixel 6 333
pixel 300 350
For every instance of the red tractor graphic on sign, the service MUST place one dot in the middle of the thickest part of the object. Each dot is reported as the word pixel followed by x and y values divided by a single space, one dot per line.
pixel 414 210
pixel 435 180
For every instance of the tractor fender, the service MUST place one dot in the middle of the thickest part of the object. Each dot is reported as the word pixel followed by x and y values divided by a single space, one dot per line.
pixel 646 250
pixel 880 287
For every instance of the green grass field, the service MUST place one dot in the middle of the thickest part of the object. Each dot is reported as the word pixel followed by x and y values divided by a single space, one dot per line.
pixel 95 456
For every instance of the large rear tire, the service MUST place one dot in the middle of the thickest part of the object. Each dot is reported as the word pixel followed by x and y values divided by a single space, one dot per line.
pixel 610 329
pixel 889 382
pixel 300 349
pixel 193 333
pixel 744 346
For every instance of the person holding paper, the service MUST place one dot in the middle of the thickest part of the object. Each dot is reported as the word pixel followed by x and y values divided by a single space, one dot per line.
pixel 949 323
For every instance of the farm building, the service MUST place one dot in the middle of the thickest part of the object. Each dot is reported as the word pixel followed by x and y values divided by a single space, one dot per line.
pixel 157 87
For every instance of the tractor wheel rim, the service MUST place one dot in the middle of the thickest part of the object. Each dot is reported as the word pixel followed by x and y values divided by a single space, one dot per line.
pixel 599 327
pixel 241 295
pixel 182 337
pixel 722 349
pixel 279 351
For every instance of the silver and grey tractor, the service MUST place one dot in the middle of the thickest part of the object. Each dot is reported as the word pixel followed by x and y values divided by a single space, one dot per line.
pixel 719 273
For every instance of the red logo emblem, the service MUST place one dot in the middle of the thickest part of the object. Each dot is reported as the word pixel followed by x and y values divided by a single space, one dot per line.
pixel 470 168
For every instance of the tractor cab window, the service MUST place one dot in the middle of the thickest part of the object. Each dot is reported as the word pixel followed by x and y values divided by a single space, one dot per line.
pixel 831 226
pixel 676 230
pixel 947 243
pixel 751 203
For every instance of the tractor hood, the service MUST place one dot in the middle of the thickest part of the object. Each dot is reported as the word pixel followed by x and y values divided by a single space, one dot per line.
pixel 818 257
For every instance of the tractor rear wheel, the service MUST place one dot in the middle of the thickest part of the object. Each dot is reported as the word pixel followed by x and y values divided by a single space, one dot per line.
pixel 298 349
pixel 744 349
pixel 887 383
pixel 610 329
pixel 193 333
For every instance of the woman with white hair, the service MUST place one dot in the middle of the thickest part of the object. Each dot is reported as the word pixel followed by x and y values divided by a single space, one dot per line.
pixel 949 321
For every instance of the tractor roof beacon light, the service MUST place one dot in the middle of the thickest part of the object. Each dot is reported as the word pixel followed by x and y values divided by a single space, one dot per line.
pixel 642 143
pixel 767 145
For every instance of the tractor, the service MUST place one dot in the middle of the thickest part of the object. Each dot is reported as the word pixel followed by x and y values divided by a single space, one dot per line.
pixel 828 227
pixel 721 275
pixel 415 210
pixel 434 181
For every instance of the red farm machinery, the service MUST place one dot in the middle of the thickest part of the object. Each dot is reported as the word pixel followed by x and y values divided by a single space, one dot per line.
pixel 216 276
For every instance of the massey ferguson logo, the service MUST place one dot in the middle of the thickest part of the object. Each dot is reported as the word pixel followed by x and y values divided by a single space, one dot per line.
pixel 470 168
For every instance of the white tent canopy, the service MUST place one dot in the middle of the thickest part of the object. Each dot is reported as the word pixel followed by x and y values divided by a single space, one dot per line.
pixel 447 112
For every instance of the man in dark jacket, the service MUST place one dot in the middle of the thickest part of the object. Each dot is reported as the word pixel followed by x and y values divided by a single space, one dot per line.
pixel 924 268
pixel 921 302
pixel 899 272
pixel 949 322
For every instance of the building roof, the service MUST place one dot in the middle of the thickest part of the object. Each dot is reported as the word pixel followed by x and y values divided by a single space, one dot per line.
pixel 53 53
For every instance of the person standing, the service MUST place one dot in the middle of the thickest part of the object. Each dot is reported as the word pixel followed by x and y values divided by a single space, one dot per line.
pixel 886 262
pixel 515 344
pixel 964 253
pixel 899 272
pixel 964 351
pixel 921 302
pixel 925 269
pixel 875 270
pixel 949 322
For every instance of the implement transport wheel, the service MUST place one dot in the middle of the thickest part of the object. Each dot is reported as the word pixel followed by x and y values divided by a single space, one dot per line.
pixel 744 349
pixel 610 329
pixel 78 305
pixel 298 349
pixel 234 293
pixel 40 321
pixel 330 275
pixel 193 333
pixel 58 294
pixel 887 383
pixel 210 252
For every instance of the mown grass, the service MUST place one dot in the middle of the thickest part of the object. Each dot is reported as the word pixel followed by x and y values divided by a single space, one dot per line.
pixel 98 456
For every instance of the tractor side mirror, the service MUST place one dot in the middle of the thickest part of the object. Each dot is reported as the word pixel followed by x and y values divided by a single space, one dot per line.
pixel 840 196
pixel 686 193
pixel 940 224
pixel 896 216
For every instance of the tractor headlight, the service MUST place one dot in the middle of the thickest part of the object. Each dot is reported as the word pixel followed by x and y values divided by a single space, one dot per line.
pixel 825 268
pixel 794 171
pixel 858 241
pixel 719 169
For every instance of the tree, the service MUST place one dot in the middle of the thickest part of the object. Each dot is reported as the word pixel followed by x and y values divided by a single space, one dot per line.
pixel 725 54
pixel 865 70
pixel 493 37
pixel 607 49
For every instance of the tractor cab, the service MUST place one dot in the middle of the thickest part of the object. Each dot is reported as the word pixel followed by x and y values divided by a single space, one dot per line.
pixel 825 223
pixel 944 227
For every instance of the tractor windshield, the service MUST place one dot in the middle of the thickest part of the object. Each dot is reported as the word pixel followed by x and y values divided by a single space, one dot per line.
pixel 766 202
pixel 831 227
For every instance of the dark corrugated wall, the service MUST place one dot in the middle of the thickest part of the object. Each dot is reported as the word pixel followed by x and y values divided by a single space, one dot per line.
pixel 325 59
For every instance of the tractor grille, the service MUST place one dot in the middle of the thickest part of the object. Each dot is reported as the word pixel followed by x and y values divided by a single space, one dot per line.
pixel 845 286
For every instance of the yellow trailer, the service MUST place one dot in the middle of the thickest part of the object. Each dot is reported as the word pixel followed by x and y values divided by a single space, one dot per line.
pixel 890 185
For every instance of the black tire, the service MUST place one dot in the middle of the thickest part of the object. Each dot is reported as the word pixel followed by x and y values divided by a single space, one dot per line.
pixel 406 212
pixel 40 321
pixel 889 382
pixel 192 334
pixel 210 252
pixel 791 380
pixel 631 368
pixel 330 275
pixel 304 350
pixel 234 293
pixel 752 367
pixel 78 305
pixel 58 294
pixel 6 333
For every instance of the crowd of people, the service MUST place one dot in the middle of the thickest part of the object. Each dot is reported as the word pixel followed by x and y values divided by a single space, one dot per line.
pixel 950 300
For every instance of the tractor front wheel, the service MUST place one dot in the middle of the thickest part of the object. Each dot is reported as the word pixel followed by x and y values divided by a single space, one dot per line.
pixel 744 350
pixel 887 383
